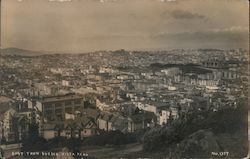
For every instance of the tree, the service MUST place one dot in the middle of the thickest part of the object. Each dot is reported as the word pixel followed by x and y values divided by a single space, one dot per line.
pixel 33 130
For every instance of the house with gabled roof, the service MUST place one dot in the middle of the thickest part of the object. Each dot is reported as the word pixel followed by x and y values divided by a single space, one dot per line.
pixel 110 122
pixel 103 121
pixel 14 126
pixel 78 128
pixel 141 121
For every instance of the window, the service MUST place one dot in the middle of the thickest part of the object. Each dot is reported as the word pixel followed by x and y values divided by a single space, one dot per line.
pixel 58 110
pixel 58 104
pixel 77 102
pixel 48 112
pixel 68 110
pixel 68 103
pixel 47 105
pixel 59 116
pixel 77 108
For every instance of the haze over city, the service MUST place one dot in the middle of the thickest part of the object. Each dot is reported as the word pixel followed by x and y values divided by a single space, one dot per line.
pixel 90 25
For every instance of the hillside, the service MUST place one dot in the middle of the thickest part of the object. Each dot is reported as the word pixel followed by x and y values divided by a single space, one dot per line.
pixel 19 52
pixel 200 134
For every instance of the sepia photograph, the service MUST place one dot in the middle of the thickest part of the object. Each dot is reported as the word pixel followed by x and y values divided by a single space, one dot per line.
pixel 124 79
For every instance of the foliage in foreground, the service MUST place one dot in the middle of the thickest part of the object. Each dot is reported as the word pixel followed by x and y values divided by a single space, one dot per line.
pixel 183 132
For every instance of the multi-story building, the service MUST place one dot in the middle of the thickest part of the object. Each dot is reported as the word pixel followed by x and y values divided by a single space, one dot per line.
pixel 55 107
pixel 213 63
pixel 166 114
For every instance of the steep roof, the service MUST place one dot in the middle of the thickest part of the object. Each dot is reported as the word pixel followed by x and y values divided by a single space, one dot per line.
pixel 10 112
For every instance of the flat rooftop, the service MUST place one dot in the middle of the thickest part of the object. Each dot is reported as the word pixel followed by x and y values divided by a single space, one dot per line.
pixel 59 98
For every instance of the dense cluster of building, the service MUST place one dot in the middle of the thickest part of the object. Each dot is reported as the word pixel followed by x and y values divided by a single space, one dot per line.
pixel 77 96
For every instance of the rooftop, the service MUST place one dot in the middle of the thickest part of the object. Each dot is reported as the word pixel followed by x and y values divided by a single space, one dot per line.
pixel 59 98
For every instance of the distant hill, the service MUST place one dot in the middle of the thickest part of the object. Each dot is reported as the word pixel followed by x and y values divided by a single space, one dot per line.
pixel 19 52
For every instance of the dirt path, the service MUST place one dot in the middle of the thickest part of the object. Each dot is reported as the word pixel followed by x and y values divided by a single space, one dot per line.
pixel 112 151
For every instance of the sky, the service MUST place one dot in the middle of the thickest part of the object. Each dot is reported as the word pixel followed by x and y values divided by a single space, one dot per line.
pixel 91 25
